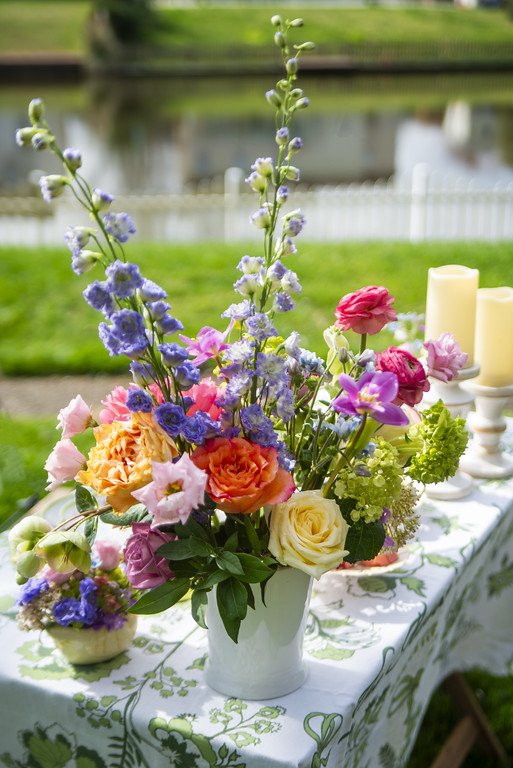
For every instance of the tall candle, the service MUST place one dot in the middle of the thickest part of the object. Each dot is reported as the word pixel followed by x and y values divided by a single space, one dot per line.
pixel 451 305
pixel 494 336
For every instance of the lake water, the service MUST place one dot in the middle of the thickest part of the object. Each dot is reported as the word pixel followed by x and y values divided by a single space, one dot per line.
pixel 172 137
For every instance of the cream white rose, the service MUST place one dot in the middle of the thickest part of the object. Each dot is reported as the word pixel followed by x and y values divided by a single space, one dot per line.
pixel 308 532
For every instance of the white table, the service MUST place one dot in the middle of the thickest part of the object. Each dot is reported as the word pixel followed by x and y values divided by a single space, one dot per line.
pixel 378 643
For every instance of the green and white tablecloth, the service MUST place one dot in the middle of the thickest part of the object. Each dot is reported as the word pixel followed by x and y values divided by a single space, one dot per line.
pixel 378 643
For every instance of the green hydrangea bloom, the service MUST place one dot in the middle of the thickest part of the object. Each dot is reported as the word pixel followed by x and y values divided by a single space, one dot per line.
pixel 377 489
pixel 444 440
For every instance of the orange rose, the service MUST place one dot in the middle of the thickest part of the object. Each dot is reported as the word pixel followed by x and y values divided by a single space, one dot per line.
pixel 242 476
pixel 120 462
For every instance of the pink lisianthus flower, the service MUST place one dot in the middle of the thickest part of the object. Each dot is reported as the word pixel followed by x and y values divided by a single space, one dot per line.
pixel 107 553
pixel 374 394
pixel 145 569
pixel 410 373
pixel 175 491
pixel 55 578
pixel 444 357
pixel 205 395
pixel 64 462
pixel 75 417
pixel 208 343
pixel 115 406
pixel 367 310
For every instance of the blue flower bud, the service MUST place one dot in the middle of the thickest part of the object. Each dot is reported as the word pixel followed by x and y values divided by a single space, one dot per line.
pixel 292 173
pixel 101 200
pixel 292 66
pixel 276 21
pixel 282 194
pixel 41 140
pixel 83 261
pixel 52 186
pixel 73 158
pixel 274 98
pixel 36 110
pixel 308 46
pixel 24 136
pixel 263 166
pixel 257 182
pixel 282 136
pixel 296 93
pixel 261 218
pixel 295 144
pixel 279 39
pixel 301 103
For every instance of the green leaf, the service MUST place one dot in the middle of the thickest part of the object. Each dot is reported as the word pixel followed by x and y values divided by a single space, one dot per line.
pixel 135 514
pixel 376 583
pixel 254 569
pixel 441 560
pixel 183 549
pixel 364 541
pixel 192 528
pixel 84 499
pixel 199 601
pixel 251 596
pixel 228 561
pixel 91 529
pixel 346 506
pixel 232 599
pixel 332 652
pixel 231 542
pixel 415 585
pixel 162 597
pixel 251 534
pixel 214 578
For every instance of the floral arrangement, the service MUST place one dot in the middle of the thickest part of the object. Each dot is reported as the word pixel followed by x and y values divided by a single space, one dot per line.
pixel 96 598
pixel 237 452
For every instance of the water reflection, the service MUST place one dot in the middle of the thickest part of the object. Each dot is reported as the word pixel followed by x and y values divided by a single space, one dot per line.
pixel 161 136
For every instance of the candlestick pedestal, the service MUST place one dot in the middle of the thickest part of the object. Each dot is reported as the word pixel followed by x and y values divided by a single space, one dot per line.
pixel 458 401
pixel 484 458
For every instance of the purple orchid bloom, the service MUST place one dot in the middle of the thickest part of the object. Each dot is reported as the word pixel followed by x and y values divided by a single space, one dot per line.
pixel 373 394
pixel 208 343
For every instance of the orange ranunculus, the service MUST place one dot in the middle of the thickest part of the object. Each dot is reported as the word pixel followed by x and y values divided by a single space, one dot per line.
pixel 120 462
pixel 242 476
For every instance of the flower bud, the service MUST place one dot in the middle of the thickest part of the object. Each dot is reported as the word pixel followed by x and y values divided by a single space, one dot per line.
pixel 274 98
pixel 65 551
pixel 24 136
pixel 276 21
pixel 292 66
pixel 41 140
pixel 261 218
pixel 257 182
pixel 301 103
pixel 83 261
pixel 52 186
pixel 279 39
pixel 296 93
pixel 101 200
pixel 297 23
pixel 73 158
pixel 292 173
pixel 343 355
pixel 36 110
pixel 308 46
pixel 282 194
pixel 282 136
pixel 263 166
pixel 295 144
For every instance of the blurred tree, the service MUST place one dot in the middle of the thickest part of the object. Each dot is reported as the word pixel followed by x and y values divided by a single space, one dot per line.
pixel 120 23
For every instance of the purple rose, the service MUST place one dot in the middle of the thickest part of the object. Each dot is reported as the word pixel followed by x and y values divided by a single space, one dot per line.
pixel 145 569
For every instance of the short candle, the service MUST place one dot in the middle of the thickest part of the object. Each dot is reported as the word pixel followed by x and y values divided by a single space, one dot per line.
pixel 451 305
pixel 494 336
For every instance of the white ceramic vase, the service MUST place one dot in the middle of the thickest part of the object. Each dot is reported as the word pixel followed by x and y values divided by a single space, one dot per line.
pixel 90 646
pixel 267 661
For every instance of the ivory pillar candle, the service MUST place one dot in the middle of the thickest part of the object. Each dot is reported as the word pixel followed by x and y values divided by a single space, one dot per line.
pixel 494 336
pixel 451 305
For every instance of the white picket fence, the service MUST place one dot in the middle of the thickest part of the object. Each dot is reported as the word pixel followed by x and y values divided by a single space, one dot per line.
pixel 428 208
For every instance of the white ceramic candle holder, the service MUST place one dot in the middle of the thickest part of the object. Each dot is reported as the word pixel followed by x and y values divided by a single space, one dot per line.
pixel 484 458
pixel 459 402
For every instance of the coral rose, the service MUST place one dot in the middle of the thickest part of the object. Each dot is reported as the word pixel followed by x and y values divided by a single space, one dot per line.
pixel 367 310
pixel 308 532
pixel 242 476
pixel 410 373
pixel 120 462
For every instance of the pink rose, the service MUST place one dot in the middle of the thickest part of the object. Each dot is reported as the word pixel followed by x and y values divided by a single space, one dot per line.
pixel 205 395
pixel 410 374
pixel 145 569
pixel 64 462
pixel 55 578
pixel 444 357
pixel 175 491
pixel 367 310
pixel 75 417
pixel 107 553
pixel 115 406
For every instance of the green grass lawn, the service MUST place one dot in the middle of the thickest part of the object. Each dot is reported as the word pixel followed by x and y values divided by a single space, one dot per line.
pixel 227 33
pixel 46 327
